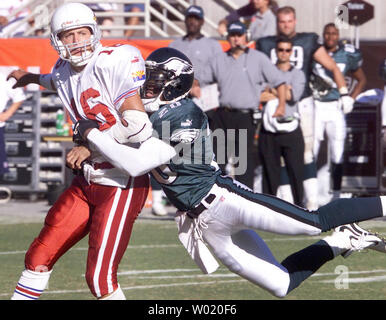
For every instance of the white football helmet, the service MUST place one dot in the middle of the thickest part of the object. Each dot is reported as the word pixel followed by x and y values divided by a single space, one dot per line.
pixel 71 16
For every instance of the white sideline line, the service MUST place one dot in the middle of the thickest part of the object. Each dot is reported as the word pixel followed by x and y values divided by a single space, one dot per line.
pixel 359 280
pixel 140 287
pixel 133 272
pixel 152 246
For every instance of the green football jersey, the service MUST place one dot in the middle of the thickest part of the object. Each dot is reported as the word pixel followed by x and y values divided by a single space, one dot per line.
pixel 347 58
pixel 305 44
pixel 189 176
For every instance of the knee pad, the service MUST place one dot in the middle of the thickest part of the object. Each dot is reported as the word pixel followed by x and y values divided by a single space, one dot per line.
pixel 37 258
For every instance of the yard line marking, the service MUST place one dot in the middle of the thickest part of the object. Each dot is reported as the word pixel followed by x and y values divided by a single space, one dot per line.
pixel 144 246
pixel 177 245
pixel 358 280
pixel 141 287
pixel 220 275
pixel 350 273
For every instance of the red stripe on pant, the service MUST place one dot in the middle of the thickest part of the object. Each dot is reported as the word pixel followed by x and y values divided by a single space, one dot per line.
pixel 83 209
pixel 107 248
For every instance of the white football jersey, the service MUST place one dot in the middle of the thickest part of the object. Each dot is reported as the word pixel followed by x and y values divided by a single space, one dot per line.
pixel 96 93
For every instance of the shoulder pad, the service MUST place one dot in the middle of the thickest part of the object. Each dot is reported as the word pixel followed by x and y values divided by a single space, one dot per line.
pixel 348 47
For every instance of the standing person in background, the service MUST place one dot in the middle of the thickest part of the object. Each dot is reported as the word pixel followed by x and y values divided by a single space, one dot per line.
pixel 101 84
pixel 133 21
pixel 255 9
pixel 329 111
pixel 282 137
pixel 200 50
pixel 239 73
pixel 104 21
pixel 263 22
pixel 16 97
pixel 306 48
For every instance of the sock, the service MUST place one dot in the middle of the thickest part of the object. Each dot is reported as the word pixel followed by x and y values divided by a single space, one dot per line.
pixel 31 285
pixel 157 196
pixel 116 295
pixel 336 175
pixel 302 264
pixel 338 243
pixel 345 211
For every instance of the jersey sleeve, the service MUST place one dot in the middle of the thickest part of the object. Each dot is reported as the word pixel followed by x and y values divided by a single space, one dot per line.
pixel 265 45
pixel 315 41
pixel 298 82
pixel 355 59
pixel 124 68
pixel 270 72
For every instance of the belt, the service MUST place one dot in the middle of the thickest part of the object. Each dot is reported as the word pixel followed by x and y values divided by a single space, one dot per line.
pixel 195 212
pixel 102 165
pixel 230 109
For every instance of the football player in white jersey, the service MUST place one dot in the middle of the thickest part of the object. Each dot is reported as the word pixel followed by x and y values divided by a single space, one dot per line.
pixel 101 84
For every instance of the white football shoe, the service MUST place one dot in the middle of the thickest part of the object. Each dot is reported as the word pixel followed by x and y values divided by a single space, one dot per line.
pixel 159 209
pixel 360 239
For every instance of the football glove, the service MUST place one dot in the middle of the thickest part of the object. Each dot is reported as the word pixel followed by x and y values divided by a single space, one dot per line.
pixel 80 129
pixel 346 103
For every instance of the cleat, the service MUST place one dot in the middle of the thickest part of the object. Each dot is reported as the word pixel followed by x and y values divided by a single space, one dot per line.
pixel 360 239
pixel 381 246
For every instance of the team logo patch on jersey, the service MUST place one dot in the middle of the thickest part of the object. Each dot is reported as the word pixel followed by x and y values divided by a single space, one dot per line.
pixel 135 60
pixel 138 75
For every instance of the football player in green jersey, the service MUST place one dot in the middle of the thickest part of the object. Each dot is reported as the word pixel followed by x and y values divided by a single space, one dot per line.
pixel 329 111
pixel 219 212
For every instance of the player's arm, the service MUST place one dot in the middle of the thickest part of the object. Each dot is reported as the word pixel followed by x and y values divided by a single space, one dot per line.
pixel 321 56
pixel 281 94
pixel 134 161
pixel 24 78
pixel 360 76
pixel 135 125
pixel 4 116
pixel 273 76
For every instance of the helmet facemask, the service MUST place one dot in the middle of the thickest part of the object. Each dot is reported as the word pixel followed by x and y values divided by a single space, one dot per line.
pixel 157 79
pixel 71 16
pixel 166 82
pixel 87 47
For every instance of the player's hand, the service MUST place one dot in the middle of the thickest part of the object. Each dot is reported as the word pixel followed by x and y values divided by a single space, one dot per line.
pixel 76 157
pixel 21 77
pixel 347 103
pixel 280 111
pixel 81 130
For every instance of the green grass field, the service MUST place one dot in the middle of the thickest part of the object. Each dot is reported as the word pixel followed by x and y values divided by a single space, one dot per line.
pixel 157 267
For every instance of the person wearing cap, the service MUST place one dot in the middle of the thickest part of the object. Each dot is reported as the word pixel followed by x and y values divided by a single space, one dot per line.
pixel 282 137
pixel 259 15
pixel 239 73
pixel 263 22
pixel 199 49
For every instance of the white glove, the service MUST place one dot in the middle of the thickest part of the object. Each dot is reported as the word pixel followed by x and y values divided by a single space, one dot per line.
pixel 347 103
